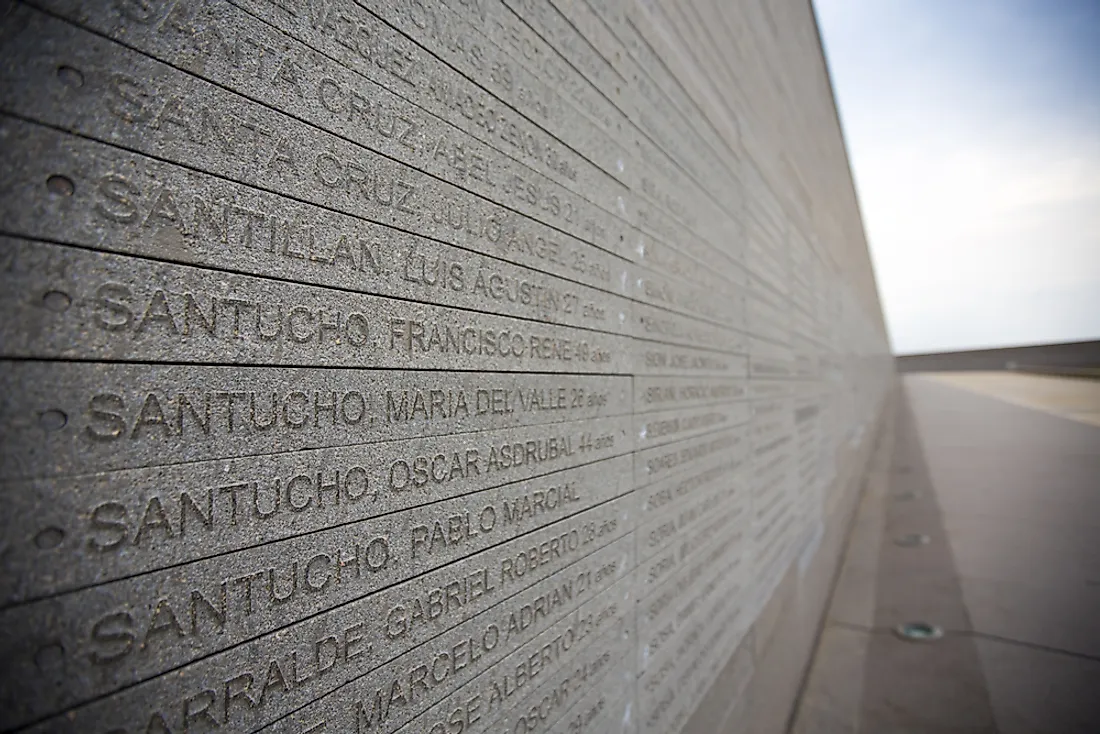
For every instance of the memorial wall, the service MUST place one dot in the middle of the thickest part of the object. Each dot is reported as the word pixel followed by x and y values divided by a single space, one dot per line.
pixel 422 366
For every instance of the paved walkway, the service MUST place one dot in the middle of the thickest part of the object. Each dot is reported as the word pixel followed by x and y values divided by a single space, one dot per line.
pixel 1009 499
pixel 1076 399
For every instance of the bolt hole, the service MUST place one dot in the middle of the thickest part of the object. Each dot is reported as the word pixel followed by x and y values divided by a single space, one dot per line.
pixel 49 656
pixel 918 632
pixel 70 77
pixel 56 301
pixel 49 538
pixel 60 185
pixel 52 420
pixel 912 540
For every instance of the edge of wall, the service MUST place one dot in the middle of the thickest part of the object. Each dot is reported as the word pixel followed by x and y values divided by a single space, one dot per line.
pixel 757 690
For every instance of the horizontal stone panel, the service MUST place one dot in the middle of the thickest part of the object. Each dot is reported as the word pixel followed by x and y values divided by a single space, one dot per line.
pixel 419 365
pixel 97 417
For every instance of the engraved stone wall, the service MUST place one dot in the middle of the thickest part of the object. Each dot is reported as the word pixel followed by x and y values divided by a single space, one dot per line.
pixel 420 366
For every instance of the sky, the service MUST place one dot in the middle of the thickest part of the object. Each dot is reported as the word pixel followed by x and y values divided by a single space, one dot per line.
pixel 973 127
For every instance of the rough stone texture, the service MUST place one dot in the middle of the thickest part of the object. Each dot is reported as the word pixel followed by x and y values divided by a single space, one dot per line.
pixel 423 365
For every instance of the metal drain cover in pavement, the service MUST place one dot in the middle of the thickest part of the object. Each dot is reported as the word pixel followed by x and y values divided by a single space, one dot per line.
pixel 918 632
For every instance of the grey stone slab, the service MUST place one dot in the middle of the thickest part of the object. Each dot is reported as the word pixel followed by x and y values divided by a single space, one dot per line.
pixel 767 319
pixel 667 187
pixel 773 411
pixel 598 667
pixel 570 533
pixel 404 620
pixel 680 522
pixel 460 43
pixel 562 36
pixel 725 650
pixel 72 418
pixel 772 503
pixel 663 708
pixel 773 454
pixel 724 546
pixel 130 100
pixel 725 527
pixel 357 39
pixel 668 393
pixel 722 542
pixel 69 303
pixel 219 42
pixel 768 576
pixel 515 37
pixel 658 641
pixel 133 204
pixel 642 37
pixel 512 33
pixel 662 259
pixel 125 631
pixel 770 389
pixel 717 304
pixel 78 531
pixel 659 462
pixel 604 707
pixel 510 693
pixel 367 696
pixel 715 120
pixel 769 361
pixel 654 358
pixel 662 500
pixel 668 327
pixel 722 253
pixel 697 218
pixel 731 679
pixel 656 429
pixel 768 278
pixel 697 39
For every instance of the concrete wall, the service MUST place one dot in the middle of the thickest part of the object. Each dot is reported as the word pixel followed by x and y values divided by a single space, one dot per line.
pixel 1040 356
pixel 423 365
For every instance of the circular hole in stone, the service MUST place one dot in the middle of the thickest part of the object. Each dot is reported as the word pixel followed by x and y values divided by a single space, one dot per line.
pixel 49 656
pixel 48 538
pixel 52 420
pixel 69 76
pixel 56 301
pixel 912 540
pixel 918 631
pixel 60 185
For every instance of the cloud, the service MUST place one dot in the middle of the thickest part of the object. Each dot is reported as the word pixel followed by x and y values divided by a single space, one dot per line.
pixel 978 171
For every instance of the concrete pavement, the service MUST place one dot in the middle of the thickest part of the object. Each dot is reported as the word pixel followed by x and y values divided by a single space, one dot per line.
pixel 1008 498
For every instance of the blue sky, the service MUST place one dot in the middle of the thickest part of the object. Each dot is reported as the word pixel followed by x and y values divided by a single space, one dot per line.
pixel 974 132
